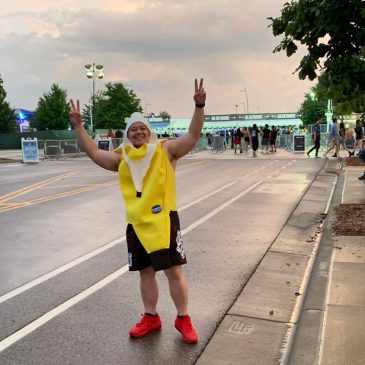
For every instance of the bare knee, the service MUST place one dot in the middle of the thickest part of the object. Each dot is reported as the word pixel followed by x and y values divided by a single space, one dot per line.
pixel 174 273
pixel 147 274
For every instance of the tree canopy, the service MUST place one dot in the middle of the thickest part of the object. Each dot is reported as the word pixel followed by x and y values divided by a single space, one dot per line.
pixel 334 34
pixel 7 114
pixel 52 111
pixel 164 114
pixel 114 104
pixel 313 106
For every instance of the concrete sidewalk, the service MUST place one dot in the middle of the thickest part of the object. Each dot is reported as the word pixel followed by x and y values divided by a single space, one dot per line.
pixel 330 330
pixel 343 335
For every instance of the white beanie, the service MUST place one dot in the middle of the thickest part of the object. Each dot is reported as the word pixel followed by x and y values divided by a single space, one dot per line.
pixel 139 168
pixel 138 117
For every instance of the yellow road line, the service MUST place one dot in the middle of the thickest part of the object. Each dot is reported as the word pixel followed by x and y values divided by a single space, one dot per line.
pixel 30 188
pixel 56 196
pixel 185 165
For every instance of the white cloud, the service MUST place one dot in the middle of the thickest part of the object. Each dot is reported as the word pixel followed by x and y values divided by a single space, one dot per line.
pixel 157 46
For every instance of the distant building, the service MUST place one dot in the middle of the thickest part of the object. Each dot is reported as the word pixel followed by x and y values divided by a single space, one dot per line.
pixel 214 123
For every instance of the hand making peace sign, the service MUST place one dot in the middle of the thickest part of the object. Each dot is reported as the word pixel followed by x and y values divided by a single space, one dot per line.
pixel 75 114
pixel 199 95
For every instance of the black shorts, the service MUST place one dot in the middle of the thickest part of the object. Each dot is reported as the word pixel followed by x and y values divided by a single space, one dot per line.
pixel 139 259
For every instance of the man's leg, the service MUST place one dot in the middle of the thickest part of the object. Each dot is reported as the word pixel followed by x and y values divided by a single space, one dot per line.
pixel 150 321
pixel 178 289
pixel 149 289
pixel 317 145
pixel 362 158
pixel 179 294
pixel 337 148
pixel 309 151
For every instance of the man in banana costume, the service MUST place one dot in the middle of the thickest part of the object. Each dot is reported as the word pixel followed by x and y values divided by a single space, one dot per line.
pixel 146 169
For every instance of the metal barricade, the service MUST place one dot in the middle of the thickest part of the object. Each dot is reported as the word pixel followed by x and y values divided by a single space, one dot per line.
pixel 218 144
pixel 52 148
pixel 56 149
pixel 202 145
pixel 116 142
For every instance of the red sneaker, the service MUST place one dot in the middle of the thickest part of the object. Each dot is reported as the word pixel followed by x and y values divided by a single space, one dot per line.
pixel 184 326
pixel 146 325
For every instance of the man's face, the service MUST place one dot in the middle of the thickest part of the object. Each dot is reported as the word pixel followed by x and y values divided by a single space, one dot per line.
pixel 138 134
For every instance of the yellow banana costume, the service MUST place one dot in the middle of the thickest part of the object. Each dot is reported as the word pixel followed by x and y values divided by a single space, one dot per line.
pixel 147 182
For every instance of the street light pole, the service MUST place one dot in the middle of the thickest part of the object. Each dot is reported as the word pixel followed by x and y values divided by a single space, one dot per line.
pixel 92 72
pixel 244 107
pixel 245 91
pixel 145 108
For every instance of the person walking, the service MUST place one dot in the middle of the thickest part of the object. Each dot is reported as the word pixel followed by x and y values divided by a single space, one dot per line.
pixel 265 139
pixel 273 135
pixel 359 133
pixel 362 158
pixel 342 136
pixel 146 169
pixel 254 139
pixel 237 140
pixel 246 139
pixel 316 137
pixel 333 139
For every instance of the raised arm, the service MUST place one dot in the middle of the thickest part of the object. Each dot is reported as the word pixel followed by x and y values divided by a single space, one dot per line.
pixel 106 159
pixel 182 145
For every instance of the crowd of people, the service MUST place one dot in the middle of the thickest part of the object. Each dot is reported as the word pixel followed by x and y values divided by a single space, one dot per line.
pixel 245 139
pixel 351 140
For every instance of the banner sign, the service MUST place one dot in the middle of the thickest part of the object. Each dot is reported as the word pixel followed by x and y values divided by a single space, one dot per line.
pixel 30 150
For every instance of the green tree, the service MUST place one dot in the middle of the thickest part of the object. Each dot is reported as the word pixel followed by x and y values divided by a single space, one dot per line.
pixel 52 111
pixel 334 34
pixel 164 114
pixel 115 104
pixel 7 114
pixel 313 106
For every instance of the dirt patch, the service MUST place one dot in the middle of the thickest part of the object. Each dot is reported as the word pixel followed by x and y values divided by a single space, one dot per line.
pixel 350 220
pixel 8 160
pixel 354 161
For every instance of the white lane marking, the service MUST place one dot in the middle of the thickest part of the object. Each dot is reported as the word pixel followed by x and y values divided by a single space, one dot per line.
pixel 218 209
pixel 26 330
pixel 5 165
pixel 99 250
pixel 91 254
pixel 207 196
pixel 59 270
pixel 16 336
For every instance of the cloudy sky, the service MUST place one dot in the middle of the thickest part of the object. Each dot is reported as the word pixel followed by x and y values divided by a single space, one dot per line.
pixel 156 48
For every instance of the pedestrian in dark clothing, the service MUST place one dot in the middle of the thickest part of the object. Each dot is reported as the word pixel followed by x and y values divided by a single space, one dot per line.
pixel 362 158
pixel 316 137
pixel 118 133
pixel 255 139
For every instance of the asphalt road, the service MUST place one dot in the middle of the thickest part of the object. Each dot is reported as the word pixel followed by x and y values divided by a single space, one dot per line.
pixel 66 296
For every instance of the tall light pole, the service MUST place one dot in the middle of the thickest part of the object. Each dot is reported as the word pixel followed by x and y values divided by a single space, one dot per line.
pixel 236 107
pixel 245 91
pixel 244 106
pixel 145 108
pixel 92 72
